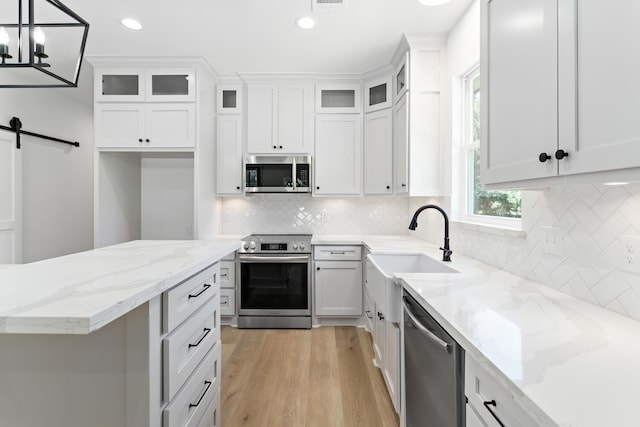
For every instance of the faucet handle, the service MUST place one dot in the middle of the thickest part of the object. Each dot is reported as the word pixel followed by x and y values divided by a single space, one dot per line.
pixel 446 254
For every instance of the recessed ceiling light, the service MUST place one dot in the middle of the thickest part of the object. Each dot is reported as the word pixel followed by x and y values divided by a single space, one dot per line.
pixel 433 2
pixel 306 23
pixel 131 23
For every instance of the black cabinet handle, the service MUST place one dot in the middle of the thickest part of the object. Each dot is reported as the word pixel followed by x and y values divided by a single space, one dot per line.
pixel 561 154
pixel 274 147
pixel 380 316
pixel 146 140
pixel 404 185
pixel 317 188
pixel 280 147
pixel 493 403
pixel 543 157
pixel 139 139
pixel 318 268
pixel 205 287
pixel 388 187
pixel 238 187
pixel 206 332
pixel 207 384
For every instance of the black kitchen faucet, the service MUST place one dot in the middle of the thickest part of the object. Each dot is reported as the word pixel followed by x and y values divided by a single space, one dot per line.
pixel 446 254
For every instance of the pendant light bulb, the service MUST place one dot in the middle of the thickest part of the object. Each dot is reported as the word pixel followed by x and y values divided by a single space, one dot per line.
pixel 38 36
pixel 4 36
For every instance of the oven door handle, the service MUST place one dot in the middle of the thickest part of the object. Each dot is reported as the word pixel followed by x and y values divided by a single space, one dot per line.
pixel 274 258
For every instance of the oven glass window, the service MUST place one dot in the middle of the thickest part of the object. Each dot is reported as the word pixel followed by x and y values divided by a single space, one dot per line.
pixel 274 286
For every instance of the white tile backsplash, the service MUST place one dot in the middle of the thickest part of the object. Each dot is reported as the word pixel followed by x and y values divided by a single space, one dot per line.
pixel 301 213
pixel 591 219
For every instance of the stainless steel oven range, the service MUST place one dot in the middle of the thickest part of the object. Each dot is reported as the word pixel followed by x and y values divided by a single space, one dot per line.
pixel 274 289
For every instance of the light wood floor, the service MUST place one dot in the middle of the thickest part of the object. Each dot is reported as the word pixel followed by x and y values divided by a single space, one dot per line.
pixel 295 378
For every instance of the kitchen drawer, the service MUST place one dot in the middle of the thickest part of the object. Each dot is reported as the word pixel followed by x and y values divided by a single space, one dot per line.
pixel 211 416
pixel 188 408
pixel 227 302
pixel 337 253
pixel 184 299
pixel 490 399
pixel 227 274
pixel 185 347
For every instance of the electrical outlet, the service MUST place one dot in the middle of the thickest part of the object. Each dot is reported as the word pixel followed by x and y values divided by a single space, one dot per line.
pixel 552 240
pixel 630 257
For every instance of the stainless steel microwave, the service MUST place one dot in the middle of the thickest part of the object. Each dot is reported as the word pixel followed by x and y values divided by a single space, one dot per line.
pixel 278 174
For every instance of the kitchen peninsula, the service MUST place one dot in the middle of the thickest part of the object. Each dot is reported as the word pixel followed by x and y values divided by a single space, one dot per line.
pixel 94 338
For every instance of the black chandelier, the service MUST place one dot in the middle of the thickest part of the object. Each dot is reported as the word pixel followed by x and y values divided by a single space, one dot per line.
pixel 23 60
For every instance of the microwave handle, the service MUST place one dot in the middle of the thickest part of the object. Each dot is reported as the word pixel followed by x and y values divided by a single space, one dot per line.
pixel 295 174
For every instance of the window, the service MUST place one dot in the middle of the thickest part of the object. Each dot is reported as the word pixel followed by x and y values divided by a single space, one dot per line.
pixel 479 203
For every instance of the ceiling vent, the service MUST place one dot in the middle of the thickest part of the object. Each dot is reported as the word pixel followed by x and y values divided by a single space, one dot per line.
pixel 323 5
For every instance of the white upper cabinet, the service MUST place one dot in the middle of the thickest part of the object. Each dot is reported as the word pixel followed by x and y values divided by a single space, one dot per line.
pixel 279 118
pixel 378 94
pixel 378 152
pixel 229 98
pixel 229 158
pixel 519 77
pixel 145 125
pixel 145 85
pixel 338 98
pixel 421 99
pixel 338 162
pixel 560 90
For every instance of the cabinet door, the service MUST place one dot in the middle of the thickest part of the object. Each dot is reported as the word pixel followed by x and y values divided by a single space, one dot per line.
pixel 170 85
pixel 338 154
pixel 229 99
pixel 295 117
pixel 379 335
pixel 378 157
pixel 119 125
pixel 519 74
pixel 369 311
pixel 607 85
pixel 262 119
pixel 170 125
pixel 338 98
pixel 401 146
pixel 338 288
pixel 377 94
pixel 119 85
pixel 401 77
pixel 391 362
pixel 229 159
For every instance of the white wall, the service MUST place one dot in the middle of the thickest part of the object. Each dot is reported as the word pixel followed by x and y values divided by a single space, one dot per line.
pixel 591 219
pixel 57 179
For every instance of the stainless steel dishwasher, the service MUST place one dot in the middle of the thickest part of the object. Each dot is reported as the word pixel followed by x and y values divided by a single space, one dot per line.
pixel 434 371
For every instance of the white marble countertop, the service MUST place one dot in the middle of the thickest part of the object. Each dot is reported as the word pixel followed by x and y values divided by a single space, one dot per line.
pixel 565 361
pixel 79 293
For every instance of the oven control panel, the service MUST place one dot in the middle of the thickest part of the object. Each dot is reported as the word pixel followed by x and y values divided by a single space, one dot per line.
pixel 288 244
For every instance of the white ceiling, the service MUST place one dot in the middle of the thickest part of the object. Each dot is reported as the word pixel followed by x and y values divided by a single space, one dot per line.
pixel 260 35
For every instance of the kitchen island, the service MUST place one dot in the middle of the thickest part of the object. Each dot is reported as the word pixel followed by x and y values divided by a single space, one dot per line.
pixel 81 336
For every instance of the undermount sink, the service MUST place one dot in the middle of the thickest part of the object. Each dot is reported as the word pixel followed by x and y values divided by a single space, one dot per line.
pixel 388 264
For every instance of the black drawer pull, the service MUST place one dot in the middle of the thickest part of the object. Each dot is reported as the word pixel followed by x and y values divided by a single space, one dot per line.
pixel 494 404
pixel 207 384
pixel 206 332
pixel 223 274
pixel 206 286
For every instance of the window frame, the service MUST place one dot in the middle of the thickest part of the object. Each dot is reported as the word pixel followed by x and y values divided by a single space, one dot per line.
pixel 468 146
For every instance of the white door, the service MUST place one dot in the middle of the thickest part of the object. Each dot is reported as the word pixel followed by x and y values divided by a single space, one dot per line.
pixel 170 125
pixel 262 119
pixel 338 287
pixel 229 148
pixel 295 117
pixel 10 201
pixel 119 125
pixel 519 89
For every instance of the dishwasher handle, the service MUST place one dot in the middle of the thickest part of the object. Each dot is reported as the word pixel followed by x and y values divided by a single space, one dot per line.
pixel 427 333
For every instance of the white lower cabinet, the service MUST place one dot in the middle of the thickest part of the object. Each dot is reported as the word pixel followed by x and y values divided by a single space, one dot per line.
pixel 338 281
pixel 489 403
pixel 369 311
pixel 391 362
pixel 379 335
pixel 192 350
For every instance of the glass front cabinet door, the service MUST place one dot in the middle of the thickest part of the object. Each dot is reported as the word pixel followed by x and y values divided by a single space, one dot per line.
pixel 229 99
pixel 377 94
